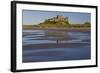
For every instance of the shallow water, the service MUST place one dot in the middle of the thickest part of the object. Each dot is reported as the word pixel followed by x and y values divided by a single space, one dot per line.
pixel 76 45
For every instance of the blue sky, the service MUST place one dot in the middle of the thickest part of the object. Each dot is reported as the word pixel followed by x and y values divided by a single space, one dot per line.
pixel 31 17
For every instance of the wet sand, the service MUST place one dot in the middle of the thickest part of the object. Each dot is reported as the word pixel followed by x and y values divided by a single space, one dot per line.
pixel 38 47
pixel 54 45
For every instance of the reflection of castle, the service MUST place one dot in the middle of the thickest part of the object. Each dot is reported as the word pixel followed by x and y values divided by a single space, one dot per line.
pixel 59 18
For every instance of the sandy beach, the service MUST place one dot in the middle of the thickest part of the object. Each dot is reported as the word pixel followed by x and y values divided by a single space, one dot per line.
pixel 60 29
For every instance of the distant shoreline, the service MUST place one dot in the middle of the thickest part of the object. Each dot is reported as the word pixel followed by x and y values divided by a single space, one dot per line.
pixel 60 29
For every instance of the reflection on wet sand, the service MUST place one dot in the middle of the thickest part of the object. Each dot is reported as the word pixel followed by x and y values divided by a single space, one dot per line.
pixel 45 45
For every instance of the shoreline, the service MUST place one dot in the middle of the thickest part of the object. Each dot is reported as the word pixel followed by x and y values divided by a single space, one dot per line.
pixel 60 29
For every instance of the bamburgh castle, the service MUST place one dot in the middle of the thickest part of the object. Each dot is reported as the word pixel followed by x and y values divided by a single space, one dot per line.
pixel 56 21
pixel 58 18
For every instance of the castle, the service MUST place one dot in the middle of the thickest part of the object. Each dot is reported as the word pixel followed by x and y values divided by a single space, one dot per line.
pixel 59 18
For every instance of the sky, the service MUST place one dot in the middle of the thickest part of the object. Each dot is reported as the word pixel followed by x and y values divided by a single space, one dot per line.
pixel 32 17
